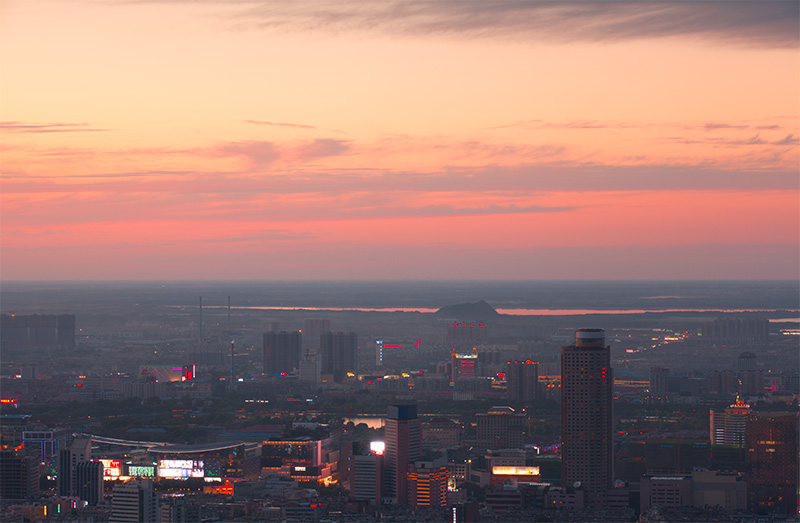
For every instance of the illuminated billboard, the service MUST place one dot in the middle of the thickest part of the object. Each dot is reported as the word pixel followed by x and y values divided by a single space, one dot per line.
pixel 141 471
pixel 180 468
pixel 515 471
pixel 111 468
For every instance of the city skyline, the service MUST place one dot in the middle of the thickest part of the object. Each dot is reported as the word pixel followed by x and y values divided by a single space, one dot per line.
pixel 402 140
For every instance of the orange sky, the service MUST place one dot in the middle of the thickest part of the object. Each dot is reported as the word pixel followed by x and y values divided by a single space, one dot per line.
pixel 382 140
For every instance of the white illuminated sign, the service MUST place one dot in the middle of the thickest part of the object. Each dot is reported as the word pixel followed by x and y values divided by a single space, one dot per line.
pixel 180 468
pixel 111 468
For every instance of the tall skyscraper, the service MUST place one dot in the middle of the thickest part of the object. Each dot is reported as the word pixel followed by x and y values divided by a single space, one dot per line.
pixel 586 415
pixel 68 460
pixel 728 427
pixel 89 482
pixel 338 353
pixel 402 447
pixel 522 378
pixel 281 352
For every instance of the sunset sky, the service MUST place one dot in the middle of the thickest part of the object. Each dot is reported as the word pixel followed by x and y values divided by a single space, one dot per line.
pixel 464 139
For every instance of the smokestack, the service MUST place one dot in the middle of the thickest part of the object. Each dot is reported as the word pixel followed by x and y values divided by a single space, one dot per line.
pixel 233 353
pixel 229 314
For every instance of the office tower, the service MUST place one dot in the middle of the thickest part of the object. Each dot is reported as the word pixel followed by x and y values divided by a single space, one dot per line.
pixel 522 379
pixel 463 365
pixel 659 381
pixel 79 451
pixel 402 434
pixel 586 415
pixel 134 502
pixel 427 482
pixel 771 446
pixel 19 475
pixel 728 427
pixel 500 428
pixel 281 352
pixel 89 482
pixel 338 353
pixel 366 477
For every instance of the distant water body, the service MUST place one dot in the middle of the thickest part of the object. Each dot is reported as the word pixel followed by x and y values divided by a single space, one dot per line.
pixel 522 312
pixel 544 298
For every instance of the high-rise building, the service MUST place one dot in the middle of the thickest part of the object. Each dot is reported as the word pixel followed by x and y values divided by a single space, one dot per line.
pixel 402 435
pixel 89 481
pixel 522 379
pixel 586 415
pixel 313 328
pixel 310 368
pixel 19 475
pixel 728 427
pixel 463 365
pixel 722 382
pixel 281 352
pixel 771 443
pixel 366 477
pixel 467 335
pixel 751 382
pixel 134 502
pixel 735 330
pixel 500 428
pixel 338 353
pixel 746 361
pixel 78 452
pixel 427 482
pixel 659 381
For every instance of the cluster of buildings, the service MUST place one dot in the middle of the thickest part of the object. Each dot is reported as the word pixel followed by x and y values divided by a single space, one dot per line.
pixel 749 462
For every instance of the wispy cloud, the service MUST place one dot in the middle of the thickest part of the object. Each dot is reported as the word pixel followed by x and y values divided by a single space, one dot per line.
pixel 750 23
pixel 264 236
pixel 716 126
pixel 258 153
pixel 452 210
pixel 280 124
pixel 789 140
pixel 22 127
pixel 322 147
